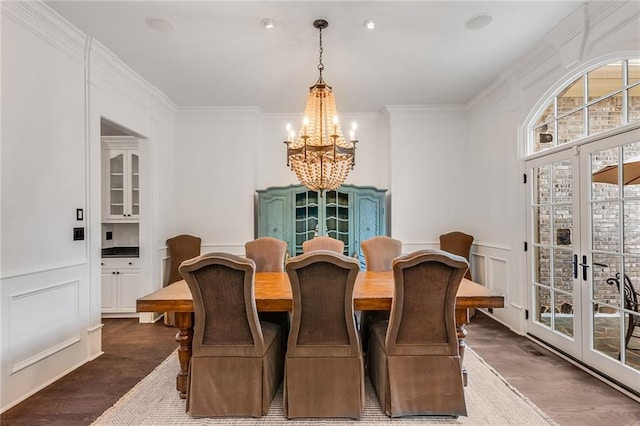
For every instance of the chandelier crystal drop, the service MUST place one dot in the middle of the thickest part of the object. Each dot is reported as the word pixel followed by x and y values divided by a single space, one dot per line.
pixel 320 156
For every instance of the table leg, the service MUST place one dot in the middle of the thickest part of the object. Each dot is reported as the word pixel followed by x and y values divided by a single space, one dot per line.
pixel 184 337
pixel 462 318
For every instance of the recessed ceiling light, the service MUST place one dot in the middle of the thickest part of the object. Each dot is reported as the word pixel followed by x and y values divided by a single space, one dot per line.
pixel 268 23
pixel 159 24
pixel 477 22
pixel 369 24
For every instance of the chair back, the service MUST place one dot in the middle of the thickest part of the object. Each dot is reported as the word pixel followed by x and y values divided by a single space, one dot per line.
pixel 323 243
pixel 268 253
pixel 323 323
pixel 380 251
pixel 458 243
pixel 181 248
pixel 226 319
pixel 422 320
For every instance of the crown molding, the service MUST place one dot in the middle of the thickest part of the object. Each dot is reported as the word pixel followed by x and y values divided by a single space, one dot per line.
pixel 47 25
pixel 562 36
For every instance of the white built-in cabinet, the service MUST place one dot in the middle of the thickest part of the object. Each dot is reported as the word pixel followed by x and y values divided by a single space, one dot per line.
pixel 120 179
pixel 120 286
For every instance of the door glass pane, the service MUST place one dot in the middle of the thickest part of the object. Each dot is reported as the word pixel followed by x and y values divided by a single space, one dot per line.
pixel 606 332
pixel 563 318
pixel 632 339
pixel 542 225
pixel 572 97
pixel 605 114
pixel 606 226
pixel 604 175
pixel 542 270
pixel 543 305
pixel 631 169
pixel 543 184
pixel 604 80
pixel 605 293
pixel 562 182
pixel 571 127
pixel 631 227
pixel 633 104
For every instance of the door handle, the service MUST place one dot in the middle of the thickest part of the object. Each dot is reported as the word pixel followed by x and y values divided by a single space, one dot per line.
pixel 575 266
pixel 584 268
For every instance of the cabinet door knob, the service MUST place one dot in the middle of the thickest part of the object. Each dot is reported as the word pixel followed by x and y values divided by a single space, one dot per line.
pixel 114 272
pixel 130 263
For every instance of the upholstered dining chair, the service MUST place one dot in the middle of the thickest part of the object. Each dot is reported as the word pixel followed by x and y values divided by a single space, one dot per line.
pixel 379 253
pixel 324 372
pixel 414 363
pixel 180 248
pixel 268 253
pixel 458 243
pixel 237 361
pixel 323 243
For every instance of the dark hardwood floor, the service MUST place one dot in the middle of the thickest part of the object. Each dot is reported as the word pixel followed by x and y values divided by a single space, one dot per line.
pixel 566 393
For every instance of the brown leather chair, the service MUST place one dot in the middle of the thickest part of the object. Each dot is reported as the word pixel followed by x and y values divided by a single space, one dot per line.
pixel 237 361
pixel 324 373
pixel 323 243
pixel 414 363
pixel 268 253
pixel 379 253
pixel 180 248
pixel 458 243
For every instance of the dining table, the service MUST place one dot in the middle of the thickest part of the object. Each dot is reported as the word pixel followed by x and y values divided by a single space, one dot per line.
pixel 373 292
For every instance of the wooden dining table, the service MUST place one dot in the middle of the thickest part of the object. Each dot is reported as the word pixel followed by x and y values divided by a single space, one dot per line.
pixel 373 291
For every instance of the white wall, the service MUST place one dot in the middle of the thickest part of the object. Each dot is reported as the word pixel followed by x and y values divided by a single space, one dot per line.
pixel 429 173
pixel 44 291
pixel 56 85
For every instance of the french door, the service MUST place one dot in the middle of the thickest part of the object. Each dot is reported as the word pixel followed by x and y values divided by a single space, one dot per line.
pixel 583 220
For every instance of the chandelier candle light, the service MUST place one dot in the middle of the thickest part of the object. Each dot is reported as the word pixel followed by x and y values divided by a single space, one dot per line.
pixel 321 157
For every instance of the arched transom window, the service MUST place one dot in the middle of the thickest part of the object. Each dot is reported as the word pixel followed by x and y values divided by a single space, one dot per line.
pixel 601 99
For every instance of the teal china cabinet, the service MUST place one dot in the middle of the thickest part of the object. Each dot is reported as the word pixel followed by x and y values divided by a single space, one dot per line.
pixel 295 214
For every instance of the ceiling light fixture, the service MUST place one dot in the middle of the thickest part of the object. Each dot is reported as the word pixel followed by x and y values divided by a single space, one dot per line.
pixel 320 156
pixel 369 24
pixel 160 25
pixel 268 23
pixel 478 22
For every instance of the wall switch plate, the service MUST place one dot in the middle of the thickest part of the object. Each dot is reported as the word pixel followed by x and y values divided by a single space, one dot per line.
pixel 78 234
pixel 109 235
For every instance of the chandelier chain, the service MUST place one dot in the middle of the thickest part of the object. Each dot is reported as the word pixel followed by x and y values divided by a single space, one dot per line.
pixel 320 64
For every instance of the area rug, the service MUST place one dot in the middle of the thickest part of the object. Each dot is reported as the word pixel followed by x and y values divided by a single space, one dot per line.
pixel 490 401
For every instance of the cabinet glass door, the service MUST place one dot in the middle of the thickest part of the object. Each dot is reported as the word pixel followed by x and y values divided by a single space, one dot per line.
pixel 336 213
pixel 116 185
pixel 134 179
pixel 307 218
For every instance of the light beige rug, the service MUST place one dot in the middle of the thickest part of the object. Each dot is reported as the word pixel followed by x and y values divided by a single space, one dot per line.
pixel 490 401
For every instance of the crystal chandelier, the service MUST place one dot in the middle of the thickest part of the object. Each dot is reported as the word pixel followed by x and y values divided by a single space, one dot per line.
pixel 320 156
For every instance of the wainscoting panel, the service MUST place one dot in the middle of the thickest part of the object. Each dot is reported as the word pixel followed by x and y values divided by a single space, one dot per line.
pixel 47 330
pixel 35 330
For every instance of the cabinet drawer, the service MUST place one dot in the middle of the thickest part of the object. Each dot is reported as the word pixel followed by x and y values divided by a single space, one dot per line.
pixel 120 263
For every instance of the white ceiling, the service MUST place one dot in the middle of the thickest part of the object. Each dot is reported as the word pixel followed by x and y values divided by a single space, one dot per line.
pixel 219 54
